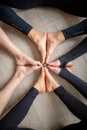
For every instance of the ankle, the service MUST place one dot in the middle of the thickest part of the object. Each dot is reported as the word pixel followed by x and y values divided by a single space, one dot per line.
pixel 19 58
pixel 60 36
pixel 56 86
pixel 34 35
pixel 20 72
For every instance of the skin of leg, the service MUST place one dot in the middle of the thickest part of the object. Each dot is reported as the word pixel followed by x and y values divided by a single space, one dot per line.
pixel 40 83
pixel 53 39
pixel 20 57
pixel 51 84
pixel 8 90
pixel 39 38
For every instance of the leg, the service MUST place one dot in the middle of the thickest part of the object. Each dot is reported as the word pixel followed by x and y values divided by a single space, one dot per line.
pixel 8 90
pixel 20 57
pixel 76 52
pixel 78 108
pixel 64 60
pixel 75 30
pixel 79 84
pixel 53 39
pixel 66 73
pixel 16 115
pixel 8 16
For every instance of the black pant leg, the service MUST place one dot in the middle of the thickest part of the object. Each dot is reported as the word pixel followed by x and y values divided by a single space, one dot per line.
pixel 78 108
pixel 79 84
pixel 76 30
pixel 17 114
pixel 76 52
pixel 8 16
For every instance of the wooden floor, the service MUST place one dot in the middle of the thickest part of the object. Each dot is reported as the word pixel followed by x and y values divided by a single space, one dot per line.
pixel 47 112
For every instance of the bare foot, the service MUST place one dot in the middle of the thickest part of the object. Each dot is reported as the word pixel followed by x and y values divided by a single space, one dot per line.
pixel 24 71
pixel 55 69
pixel 40 40
pixel 70 69
pixel 23 59
pixel 53 39
pixel 51 84
pixel 40 83
pixel 57 63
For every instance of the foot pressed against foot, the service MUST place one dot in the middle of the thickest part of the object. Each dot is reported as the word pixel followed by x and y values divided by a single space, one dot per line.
pixel 23 59
pixel 40 40
pixel 51 84
pixel 53 39
pixel 55 69
pixel 40 83
pixel 26 70
pixel 57 63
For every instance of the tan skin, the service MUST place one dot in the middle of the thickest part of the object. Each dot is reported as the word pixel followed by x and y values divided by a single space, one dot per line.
pixel 57 70
pixel 21 72
pixel 39 38
pixel 46 42
pixel 19 56
pixel 57 63
pixel 53 40
pixel 51 84
pixel 6 92
pixel 45 82
pixel 40 83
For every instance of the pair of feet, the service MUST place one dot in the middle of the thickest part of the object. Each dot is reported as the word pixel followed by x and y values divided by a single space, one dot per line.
pixel 46 42
pixel 46 82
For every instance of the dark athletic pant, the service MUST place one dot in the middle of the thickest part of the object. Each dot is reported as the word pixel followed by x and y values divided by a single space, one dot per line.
pixel 8 15
pixel 76 52
pixel 17 114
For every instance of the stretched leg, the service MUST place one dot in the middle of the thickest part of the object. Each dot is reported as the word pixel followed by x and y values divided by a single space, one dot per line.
pixel 76 52
pixel 8 16
pixel 79 84
pixel 75 30
pixel 78 108
pixel 20 57
pixel 66 73
pixel 53 39
pixel 16 115
pixel 79 50
pixel 8 90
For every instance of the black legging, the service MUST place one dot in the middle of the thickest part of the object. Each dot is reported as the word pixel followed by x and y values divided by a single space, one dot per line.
pixel 17 114
pixel 75 106
pixel 76 52
pixel 7 15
